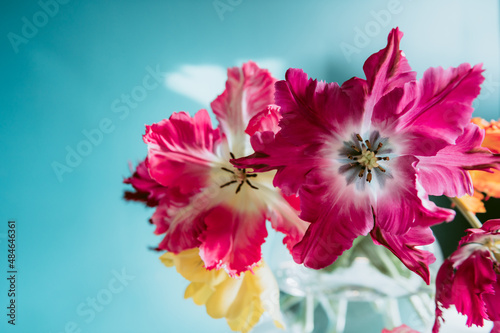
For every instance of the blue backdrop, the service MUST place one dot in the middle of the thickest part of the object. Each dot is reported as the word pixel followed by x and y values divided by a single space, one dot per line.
pixel 80 79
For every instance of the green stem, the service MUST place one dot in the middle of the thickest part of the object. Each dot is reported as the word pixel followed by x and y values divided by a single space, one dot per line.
pixel 469 216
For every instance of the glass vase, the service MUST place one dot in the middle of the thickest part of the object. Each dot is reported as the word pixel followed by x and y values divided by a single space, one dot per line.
pixel 365 290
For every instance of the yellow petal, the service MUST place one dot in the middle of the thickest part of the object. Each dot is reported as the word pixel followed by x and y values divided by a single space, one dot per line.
pixel 168 259
pixel 199 291
pixel 190 266
pixel 242 300
pixel 248 317
pixel 222 299
pixel 270 296
pixel 259 293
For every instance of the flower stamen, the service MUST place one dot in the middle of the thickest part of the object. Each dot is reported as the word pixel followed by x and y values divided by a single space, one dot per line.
pixel 239 176
pixel 369 176
pixel 238 188
pixel 229 183
pixel 251 185
pixel 365 157
pixel 379 146
pixel 362 172
pixel 226 169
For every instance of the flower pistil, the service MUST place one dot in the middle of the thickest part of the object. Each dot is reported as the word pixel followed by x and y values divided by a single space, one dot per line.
pixel 366 157
pixel 239 176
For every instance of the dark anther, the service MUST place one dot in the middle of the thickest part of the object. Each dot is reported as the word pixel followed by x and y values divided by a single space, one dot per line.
pixel 383 158
pixel 252 175
pixel 379 146
pixel 229 183
pixel 368 144
pixel 362 172
pixel 359 137
pixel 239 187
pixel 250 184
pixel 381 169
pixel 232 156
pixel 226 169
pixel 356 148
pixel 369 176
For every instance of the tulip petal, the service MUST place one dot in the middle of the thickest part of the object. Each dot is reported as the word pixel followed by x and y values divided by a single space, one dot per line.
pixel 336 220
pixel 181 150
pixel 233 239
pixel 249 90
pixel 444 103
pixel 242 300
pixel 447 172
pixel 147 189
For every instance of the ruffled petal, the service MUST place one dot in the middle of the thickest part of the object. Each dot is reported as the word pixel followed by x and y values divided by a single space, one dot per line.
pixel 492 225
pixel 496 327
pixel 447 172
pixel 180 218
pixel 468 280
pixel 386 70
pixel 266 120
pixel 473 278
pixel 444 104
pixel 181 150
pixel 388 109
pixel 283 213
pixel 249 90
pixel 147 189
pixel 312 109
pixel 337 214
pixel 275 152
pixel 241 301
pixel 405 247
pixel 233 238
pixel 444 295
pixel 403 218
pixel 492 302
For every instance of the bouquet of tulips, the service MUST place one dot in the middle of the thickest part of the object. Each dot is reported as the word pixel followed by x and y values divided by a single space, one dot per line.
pixel 325 163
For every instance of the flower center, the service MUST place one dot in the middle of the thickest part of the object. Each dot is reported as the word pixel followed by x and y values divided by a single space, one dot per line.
pixel 239 176
pixel 366 158
pixel 493 244
pixel 490 242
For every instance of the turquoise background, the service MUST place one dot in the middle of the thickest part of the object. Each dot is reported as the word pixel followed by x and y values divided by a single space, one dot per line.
pixel 72 73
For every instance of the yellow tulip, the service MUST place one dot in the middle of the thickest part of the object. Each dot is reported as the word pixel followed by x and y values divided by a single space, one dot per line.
pixel 241 300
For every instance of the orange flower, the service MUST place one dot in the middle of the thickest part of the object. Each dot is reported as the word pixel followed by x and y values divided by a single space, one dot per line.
pixel 492 135
pixel 474 203
pixel 485 182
